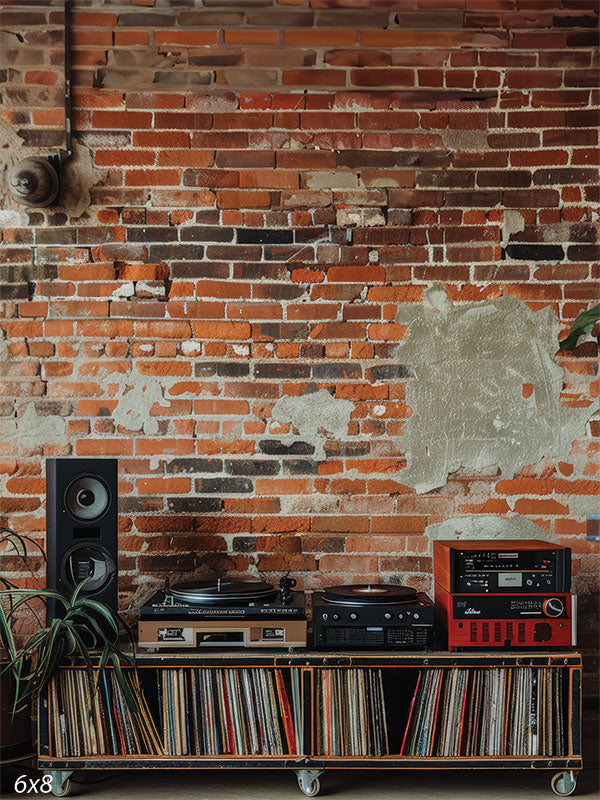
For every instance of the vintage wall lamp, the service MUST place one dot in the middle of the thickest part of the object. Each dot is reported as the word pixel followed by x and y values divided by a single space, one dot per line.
pixel 35 181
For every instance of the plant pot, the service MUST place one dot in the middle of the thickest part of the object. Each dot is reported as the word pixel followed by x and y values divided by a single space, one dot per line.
pixel 15 731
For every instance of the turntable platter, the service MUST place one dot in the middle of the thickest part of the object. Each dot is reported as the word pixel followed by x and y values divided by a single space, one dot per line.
pixel 223 592
pixel 369 594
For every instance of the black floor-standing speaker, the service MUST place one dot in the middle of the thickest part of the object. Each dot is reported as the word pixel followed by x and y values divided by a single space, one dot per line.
pixel 82 528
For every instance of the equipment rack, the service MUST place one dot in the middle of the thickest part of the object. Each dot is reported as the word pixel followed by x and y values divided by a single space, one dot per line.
pixel 309 767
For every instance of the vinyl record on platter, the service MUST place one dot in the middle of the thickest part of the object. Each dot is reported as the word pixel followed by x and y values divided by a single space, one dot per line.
pixel 363 594
pixel 223 591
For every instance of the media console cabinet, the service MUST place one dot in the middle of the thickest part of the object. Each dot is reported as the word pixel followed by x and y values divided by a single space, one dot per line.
pixel 400 671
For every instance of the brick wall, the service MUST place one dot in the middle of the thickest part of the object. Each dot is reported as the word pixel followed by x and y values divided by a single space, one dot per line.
pixel 270 182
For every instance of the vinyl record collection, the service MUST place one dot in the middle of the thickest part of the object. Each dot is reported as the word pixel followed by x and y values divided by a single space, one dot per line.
pixel 350 714
pixel 500 711
pixel 99 723
pixel 206 711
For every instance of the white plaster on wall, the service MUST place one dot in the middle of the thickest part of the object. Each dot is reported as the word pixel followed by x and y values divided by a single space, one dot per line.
pixel 471 364
pixel 312 414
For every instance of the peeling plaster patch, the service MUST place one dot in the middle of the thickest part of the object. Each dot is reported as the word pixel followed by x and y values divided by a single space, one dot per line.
pixel 126 290
pixel 514 222
pixel 136 397
pixel 32 432
pixel 241 349
pixel 191 348
pixel 312 413
pixel 78 176
pixel 11 152
pixel 156 290
pixel 471 363
pixel 488 526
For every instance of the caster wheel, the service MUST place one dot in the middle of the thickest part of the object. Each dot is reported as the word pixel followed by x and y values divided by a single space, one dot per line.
pixel 310 789
pixel 64 790
pixel 563 783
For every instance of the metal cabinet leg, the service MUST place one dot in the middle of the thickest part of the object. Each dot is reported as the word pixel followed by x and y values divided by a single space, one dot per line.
pixel 308 781
pixel 60 781
pixel 564 783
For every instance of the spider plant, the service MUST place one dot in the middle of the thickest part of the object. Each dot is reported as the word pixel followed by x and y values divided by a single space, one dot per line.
pixel 85 629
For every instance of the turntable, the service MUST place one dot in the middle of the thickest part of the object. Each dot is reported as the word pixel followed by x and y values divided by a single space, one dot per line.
pixel 224 613
pixel 376 616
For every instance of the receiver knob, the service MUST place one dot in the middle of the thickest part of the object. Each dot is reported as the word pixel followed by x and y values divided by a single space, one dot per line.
pixel 354 615
pixel 387 615
pixel 553 607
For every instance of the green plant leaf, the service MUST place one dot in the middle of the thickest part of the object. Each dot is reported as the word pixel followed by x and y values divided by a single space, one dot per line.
pixel 581 327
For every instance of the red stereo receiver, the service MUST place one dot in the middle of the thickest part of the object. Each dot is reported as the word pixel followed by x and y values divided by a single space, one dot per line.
pixel 509 621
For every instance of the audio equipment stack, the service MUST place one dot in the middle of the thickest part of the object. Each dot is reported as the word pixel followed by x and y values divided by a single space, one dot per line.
pixel 224 613
pixel 505 594
pixel 376 616
pixel 82 528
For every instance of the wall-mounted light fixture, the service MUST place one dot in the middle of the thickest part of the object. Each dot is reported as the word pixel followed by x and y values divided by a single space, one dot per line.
pixel 35 181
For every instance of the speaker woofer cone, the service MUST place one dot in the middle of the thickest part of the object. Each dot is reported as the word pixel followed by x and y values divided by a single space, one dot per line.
pixel 87 498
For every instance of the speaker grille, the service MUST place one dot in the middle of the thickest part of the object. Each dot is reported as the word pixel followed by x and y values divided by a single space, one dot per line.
pixel 87 498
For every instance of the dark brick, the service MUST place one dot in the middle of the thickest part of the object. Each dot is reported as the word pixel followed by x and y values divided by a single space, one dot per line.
pixel 389 372
pixel 40 137
pixel 323 235
pixel 264 236
pixel 167 564
pixel 224 485
pixel 501 272
pixel 199 269
pixel 54 236
pixel 504 177
pixel 580 119
pixel 359 18
pixel 188 465
pixel 177 78
pixel 274 447
pixel 583 252
pixel 566 175
pixel 291 371
pixel 250 466
pixel 277 291
pixel 14 291
pixel 583 233
pixel 229 58
pixel 583 21
pixel 472 199
pixel 226 369
pixel 151 234
pixel 195 505
pixel 584 39
pixel 535 252
pixel 282 18
pixel 311 350
pixel 301 467
pixel 51 408
pixel 256 271
pixel 137 505
pixel 244 544
pixel 175 252
pixel 199 19
pixel 337 371
pixel 202 233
